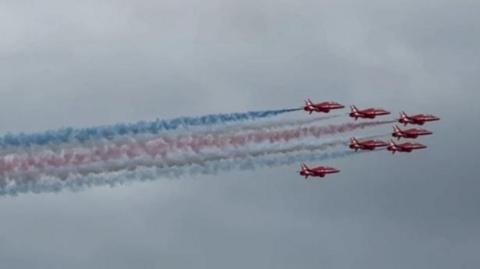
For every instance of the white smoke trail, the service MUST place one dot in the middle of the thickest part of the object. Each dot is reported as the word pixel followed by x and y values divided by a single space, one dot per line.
pixel 75 182
pixel 172 159
pixel 168 144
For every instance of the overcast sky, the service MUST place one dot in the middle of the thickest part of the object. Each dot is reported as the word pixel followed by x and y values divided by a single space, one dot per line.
pixel 86 63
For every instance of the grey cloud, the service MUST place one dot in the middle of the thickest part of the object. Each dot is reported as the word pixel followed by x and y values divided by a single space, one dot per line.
pixel 94 62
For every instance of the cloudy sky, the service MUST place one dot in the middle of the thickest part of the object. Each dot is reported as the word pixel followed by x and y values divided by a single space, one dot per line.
pixel 87 63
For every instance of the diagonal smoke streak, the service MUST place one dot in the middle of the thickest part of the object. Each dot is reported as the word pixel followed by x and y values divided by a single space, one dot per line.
pixel 284 123
pixel 66 135
pixel 145 137
pixel 78 182
pixel 198 142
pixel 181 158
pixel 163 146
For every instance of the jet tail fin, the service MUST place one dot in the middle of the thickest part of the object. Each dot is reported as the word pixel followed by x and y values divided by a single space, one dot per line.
pixel 392 146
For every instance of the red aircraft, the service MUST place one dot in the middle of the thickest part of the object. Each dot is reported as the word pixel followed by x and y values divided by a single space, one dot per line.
pixel 369 113
pixel 319 171
pixel 405 147
pixel 418 119
pixel 321 107
pixel 366 145
pixel 409 133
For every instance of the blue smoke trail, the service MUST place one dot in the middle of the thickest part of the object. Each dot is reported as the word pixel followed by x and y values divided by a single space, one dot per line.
pixel 152 127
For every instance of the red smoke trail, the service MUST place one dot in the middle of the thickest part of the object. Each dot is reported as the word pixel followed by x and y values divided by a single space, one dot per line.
pixel 162 146
pixel 198 142
pixel 146 161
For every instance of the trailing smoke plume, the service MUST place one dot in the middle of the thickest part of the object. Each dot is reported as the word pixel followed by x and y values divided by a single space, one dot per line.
pixel 77 158
pixel 162 147
pixel 153 127
pixel 47 183
pixel 61 169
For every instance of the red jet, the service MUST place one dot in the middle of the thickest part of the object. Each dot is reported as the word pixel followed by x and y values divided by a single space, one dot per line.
pixel 321 107
pixel 405 147
pixel 418 119
pixel 319 171
pixel 409 133
pixel 369 113
pixel 366 145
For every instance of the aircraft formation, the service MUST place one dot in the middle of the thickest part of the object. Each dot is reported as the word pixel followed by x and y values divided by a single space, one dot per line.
pixel 72 158
pixel 371 144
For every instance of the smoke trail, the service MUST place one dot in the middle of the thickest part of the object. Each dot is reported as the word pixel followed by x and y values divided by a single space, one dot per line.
pixel 268 125
pixel 61 165
pixel 198 142
pixel 162 146
pixel 145 137
pixel 76 182
pixel 153 127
